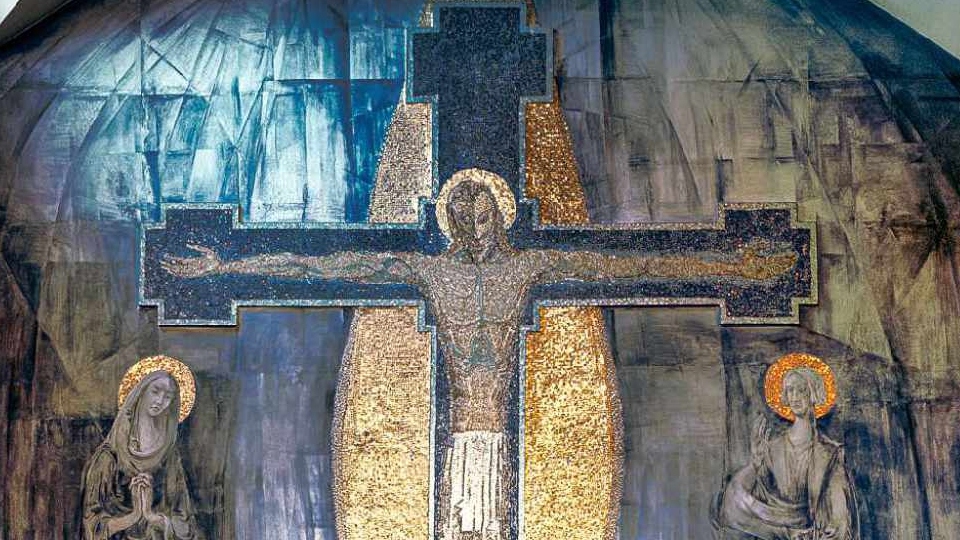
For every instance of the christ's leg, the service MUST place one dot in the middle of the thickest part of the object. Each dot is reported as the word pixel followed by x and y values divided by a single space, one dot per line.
pixel 477 472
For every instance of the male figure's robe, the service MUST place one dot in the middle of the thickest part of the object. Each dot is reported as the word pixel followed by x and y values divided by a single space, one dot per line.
pixel 791 488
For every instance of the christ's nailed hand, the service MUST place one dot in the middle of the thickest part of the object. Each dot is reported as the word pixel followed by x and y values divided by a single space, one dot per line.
pixel 207 263
pixel 754 265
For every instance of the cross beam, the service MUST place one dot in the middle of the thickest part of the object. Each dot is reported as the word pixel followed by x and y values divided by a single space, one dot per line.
pixel 213 300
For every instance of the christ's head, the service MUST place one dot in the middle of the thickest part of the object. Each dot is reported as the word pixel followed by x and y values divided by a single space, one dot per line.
pixel 474 210
pixel 475 220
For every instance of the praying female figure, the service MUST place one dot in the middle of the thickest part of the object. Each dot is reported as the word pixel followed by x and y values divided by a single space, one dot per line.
pixel 134 487
pixel 796 487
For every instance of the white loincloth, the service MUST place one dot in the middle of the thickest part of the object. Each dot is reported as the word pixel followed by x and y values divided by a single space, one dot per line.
pixel 475 484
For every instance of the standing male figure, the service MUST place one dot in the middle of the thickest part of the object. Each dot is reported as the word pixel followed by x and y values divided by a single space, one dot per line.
pixel 797 486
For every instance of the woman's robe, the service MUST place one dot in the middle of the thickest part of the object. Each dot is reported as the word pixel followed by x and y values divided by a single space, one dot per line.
pixel 109 472
pixel 107 495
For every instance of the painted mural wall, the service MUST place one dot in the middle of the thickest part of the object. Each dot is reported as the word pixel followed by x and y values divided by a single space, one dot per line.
pixel 113 107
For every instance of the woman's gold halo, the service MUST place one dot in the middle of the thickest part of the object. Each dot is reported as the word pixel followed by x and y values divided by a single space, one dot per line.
pixel 497 186
pixel 773 383
pixel 175 368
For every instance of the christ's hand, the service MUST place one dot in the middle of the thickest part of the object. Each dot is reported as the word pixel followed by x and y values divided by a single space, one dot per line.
pixel 208 263
pixel 755 265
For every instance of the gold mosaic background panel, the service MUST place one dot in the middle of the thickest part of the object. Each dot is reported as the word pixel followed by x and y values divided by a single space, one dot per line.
pixel 382 439
pixel 404 172
pixel 573 440
pixel 552 175
pixel 573 435
pixel 382 434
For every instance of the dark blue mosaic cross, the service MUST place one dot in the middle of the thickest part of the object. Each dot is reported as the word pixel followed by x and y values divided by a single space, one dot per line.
pixel 478 67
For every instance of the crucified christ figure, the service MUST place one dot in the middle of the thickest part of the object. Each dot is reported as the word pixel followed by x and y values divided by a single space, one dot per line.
pixel 477 291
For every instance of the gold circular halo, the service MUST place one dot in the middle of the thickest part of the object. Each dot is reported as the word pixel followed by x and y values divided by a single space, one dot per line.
pixel 175 368
pixel 497 186
pixel 773 383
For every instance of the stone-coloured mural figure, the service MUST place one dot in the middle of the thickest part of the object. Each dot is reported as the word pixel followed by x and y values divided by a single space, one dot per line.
pixel 796 486
pixel 477 290
pixel 134 485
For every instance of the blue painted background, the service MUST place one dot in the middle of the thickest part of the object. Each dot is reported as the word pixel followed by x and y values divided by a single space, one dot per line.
pixel 110 109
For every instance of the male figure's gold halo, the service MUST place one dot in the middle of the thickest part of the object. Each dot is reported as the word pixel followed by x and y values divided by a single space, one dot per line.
pixel 497 186
pixel 175 368
pixel 773 383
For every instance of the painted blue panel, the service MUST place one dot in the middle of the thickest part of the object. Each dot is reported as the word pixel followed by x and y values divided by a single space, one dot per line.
pixel 378 35
pixel 245 102
pixel 373 103
pixel 287 366
pixel 281 106
pixel 304 160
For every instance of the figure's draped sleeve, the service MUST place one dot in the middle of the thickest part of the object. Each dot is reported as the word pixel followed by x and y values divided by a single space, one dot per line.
pixel 838 505
pixel 102 495
pixel 751 503
pixel 177 503
pixel 750 506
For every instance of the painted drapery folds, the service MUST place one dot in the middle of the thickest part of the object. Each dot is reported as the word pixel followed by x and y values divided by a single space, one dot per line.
pixel 797 485
pixel 298 111
pixel 134 485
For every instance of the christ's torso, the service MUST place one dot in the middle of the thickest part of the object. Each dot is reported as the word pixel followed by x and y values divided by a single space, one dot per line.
pixel 478 309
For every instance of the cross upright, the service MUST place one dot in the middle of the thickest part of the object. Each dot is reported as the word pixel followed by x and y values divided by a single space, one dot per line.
pixel 478 261
pixel 477 69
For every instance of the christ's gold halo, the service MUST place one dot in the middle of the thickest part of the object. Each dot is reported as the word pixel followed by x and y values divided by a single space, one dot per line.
pixel 175 368
pixel 495 184
pixel 773 383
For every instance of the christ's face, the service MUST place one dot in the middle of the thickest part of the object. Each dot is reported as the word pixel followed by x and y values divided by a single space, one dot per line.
pixel 473 215
pixel 159 394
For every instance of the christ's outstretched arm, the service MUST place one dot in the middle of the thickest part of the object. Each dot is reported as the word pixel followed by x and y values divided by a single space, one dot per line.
pixel 358 266
pixel 598 266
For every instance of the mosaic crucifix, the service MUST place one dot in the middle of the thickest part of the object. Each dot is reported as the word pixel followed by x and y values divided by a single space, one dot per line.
pixel 478 262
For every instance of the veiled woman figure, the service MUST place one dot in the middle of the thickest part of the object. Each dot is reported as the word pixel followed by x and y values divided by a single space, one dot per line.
pixel 797 486
pixel 134 487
